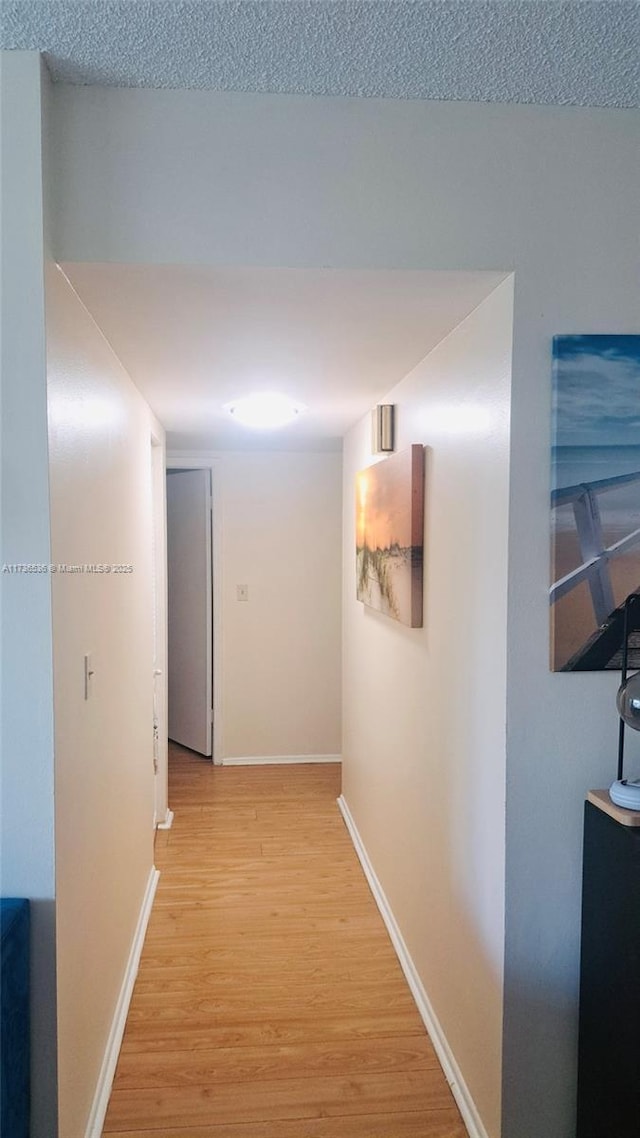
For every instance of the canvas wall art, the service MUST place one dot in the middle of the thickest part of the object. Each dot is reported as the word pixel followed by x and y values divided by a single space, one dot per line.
pixel 595 498
pixel 389 536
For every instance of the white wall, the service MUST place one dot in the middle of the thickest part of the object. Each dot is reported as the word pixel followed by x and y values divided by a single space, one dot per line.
pixel 26 803
pixel 101 514
pixel 277 664
pixel 550 192
pixel 424 733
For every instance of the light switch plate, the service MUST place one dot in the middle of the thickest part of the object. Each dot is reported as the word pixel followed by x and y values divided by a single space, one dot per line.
pixel 88 675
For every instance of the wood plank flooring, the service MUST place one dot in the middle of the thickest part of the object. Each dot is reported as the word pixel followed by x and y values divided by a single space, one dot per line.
pixel 269 1001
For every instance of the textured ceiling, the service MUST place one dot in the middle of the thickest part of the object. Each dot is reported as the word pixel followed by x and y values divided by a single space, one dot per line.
pixel 194 338
pixel 523 51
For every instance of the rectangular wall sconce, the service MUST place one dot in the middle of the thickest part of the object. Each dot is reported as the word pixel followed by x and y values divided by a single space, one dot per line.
pixel 383 428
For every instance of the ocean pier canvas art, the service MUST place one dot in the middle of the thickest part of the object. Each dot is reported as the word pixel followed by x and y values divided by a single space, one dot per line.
pixel 390 534
pixel 595 497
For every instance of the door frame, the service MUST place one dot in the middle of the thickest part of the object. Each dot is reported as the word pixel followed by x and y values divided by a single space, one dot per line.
pixel 162 815
pixel 194 460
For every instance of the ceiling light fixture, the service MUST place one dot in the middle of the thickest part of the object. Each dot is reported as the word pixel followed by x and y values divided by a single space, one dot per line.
pixel 265 410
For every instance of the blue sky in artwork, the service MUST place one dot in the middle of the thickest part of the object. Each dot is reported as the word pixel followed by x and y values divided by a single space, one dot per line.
pixel 596 390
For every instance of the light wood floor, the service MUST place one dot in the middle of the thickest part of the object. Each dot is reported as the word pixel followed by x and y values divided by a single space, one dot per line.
pixel 269 1002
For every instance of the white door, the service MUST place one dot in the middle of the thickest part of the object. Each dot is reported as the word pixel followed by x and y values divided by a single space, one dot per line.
pixel 190 611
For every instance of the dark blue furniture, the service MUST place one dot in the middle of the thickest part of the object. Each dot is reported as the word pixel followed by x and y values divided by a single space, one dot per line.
pixel 14 1018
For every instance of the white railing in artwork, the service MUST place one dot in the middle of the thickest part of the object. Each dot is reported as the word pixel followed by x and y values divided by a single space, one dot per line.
pixel 596 556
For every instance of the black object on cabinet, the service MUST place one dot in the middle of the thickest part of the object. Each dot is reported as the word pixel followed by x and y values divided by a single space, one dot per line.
pixel 609 1033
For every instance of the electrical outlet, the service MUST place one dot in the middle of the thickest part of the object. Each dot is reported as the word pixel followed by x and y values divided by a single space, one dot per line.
pixel 242 592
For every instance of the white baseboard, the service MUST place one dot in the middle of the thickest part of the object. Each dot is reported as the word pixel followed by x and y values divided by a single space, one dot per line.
pixel 277 760
pixel 168 821
pixel 108 1069
pixel 453 1075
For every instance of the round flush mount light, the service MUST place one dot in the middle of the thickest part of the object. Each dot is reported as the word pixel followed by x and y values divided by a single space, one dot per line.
pixel 265 410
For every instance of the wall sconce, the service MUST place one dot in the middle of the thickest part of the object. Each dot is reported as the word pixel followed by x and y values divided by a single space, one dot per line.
pixel 383 428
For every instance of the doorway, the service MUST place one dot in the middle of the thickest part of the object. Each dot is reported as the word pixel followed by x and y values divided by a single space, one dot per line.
pixel 190 609
pixel 162 816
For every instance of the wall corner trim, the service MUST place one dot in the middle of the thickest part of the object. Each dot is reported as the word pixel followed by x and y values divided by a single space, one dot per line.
pixel 167 821
pixel 108 1069
pixel 276 760
pixel 453 1075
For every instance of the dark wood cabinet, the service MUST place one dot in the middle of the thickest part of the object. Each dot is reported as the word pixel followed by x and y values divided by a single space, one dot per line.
pixel 609 1028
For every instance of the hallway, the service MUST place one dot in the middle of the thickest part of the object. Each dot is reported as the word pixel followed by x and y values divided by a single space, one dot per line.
pixel 269 1001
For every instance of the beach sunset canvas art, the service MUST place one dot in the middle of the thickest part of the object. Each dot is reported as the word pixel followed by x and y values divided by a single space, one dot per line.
pixel 595 497
pixel 389 536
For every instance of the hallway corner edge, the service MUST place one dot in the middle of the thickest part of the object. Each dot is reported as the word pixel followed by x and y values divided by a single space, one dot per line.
pixel 108 1069
pixel 459 1089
